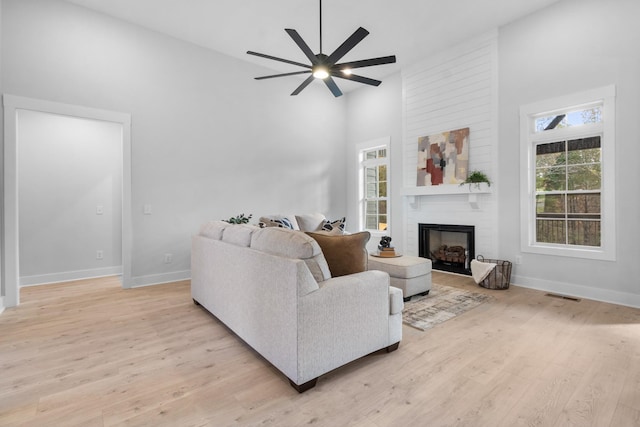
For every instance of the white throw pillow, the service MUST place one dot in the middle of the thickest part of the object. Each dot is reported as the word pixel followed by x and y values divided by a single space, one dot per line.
pixel 310 222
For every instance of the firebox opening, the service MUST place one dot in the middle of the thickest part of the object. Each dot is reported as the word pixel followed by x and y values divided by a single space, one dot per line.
pixel 449 247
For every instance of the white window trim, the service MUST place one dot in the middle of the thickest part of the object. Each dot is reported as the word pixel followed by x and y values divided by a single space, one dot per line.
pixel 528 139
pixel 384 142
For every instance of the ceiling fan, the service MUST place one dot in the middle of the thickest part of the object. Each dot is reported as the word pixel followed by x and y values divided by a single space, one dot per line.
pixel 325 67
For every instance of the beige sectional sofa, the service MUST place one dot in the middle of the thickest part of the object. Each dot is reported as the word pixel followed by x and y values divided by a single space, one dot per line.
pixel 272 287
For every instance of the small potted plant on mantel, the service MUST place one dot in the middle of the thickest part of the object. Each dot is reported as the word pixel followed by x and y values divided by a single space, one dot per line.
pixel 476 178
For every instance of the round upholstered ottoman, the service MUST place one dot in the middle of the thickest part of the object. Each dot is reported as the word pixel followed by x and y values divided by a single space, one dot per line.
pixel 409 273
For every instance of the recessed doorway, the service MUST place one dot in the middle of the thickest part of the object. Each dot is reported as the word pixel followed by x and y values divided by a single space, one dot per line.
pixel 17 110
pixel 69 198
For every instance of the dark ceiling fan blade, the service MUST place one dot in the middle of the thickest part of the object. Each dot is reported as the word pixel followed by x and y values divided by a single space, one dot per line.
pixel 302 45
pixel 333 87
pixel 348 44
pixel 359 79
pixel 283 75
pixel 303 85
pixel 367 62
pixel 262 55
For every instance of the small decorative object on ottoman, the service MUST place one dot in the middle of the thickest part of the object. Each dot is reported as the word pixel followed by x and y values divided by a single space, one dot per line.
pixel 409 273
pixel 385 249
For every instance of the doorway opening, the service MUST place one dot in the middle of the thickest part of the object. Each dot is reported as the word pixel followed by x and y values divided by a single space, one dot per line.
pixel 14 107
pixel 69 198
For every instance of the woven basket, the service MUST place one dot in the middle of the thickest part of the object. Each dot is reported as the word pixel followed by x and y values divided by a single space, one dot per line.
pixel 499 277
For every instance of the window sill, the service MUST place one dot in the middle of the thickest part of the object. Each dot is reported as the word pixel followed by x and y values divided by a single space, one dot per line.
pixel 585 253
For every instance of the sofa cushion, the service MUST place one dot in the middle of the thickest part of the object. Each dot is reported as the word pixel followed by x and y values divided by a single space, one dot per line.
pixel 292 244
pixel 279 220
pixel 404 267
pixel 345 254
pixel 310 222
pixel 213 229
pixel 239 234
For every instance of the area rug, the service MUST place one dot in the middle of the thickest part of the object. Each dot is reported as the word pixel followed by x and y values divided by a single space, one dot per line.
pixel 442 303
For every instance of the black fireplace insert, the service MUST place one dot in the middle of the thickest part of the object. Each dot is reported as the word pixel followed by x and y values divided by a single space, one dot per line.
pixel 449 247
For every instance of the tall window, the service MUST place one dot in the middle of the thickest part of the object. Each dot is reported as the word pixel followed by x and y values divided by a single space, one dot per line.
pixel 569 191
pixel 568 173
pixel 374 167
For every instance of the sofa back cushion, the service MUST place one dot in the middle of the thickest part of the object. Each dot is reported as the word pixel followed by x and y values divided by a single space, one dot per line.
pixel 292 244
pixel 236 234
pixel 239 234
pixel 213 229
pixel 345 254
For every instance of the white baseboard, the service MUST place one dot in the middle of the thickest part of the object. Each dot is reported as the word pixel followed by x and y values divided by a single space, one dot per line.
pixel 1 304
pixel 153 279
pixel 67 276
pixel 158 279
pixel 571 289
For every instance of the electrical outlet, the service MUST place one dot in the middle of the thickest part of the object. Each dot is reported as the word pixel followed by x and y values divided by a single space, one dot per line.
pixel 99 254
pixel 518 259
pixel 99 210
pixel 168 258
pixel 146 209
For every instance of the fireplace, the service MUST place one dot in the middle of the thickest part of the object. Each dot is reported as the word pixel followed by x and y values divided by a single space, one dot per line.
pixel 449 247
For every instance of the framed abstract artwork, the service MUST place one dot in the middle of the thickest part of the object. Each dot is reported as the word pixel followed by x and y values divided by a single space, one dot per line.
pixel 443 158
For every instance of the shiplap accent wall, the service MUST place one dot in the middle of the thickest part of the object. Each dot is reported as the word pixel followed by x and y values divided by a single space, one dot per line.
pixel 453 90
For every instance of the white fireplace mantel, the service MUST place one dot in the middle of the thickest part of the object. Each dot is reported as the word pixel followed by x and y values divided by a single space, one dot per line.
pixel 470 190
pixel 438 190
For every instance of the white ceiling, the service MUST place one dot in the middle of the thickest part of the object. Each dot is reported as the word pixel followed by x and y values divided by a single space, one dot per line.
pixel 409 29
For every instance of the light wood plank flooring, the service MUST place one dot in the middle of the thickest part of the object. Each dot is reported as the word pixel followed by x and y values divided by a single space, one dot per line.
pixel 89 353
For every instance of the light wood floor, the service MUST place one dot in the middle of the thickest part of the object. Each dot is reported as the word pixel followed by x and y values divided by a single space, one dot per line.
pixel 89 353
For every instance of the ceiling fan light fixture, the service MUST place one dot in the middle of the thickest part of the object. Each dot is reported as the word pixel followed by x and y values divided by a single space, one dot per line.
pixel 325 67
pixel 320 73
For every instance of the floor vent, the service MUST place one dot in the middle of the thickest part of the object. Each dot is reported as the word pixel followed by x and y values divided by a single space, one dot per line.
pixel 563 297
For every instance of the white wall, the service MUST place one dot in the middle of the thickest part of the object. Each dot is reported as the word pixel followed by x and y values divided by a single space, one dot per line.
pixel 574 46
pixel 67 167
pixel 454 89
pixel 570 47
pixel 373 113
pixel 208 141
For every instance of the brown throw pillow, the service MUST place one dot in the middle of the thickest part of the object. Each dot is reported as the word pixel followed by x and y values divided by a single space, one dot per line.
pixel 345 254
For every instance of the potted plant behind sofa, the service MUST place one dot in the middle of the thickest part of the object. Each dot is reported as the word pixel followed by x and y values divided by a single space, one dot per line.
pixel 239 219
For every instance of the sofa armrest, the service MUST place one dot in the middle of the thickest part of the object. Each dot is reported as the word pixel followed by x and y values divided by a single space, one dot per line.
pixel 346 318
